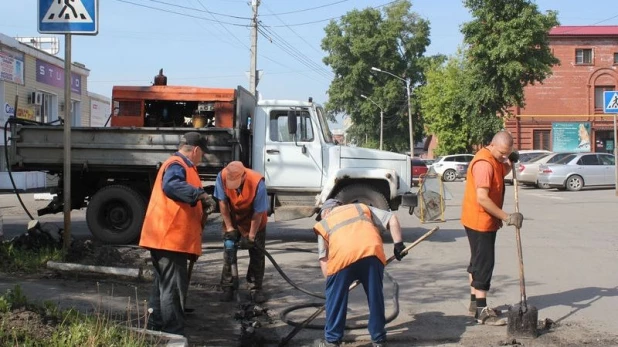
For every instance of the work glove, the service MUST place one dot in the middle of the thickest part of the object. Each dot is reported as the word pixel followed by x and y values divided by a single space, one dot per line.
pixel 514 156
pixel 246 243
pixel 397 249
pixel 233 235
pixel 516 219
pixel 209 205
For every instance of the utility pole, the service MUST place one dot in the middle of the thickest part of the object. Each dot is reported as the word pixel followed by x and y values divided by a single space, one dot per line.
pixel 254 37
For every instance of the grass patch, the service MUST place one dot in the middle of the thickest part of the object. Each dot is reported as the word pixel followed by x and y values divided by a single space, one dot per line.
pixel 17 259
pixel 23 323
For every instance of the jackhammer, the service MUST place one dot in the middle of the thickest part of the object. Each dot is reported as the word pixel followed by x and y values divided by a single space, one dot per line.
pixel 230 246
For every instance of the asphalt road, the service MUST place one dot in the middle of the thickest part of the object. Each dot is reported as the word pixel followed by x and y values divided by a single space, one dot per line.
pixel 569 247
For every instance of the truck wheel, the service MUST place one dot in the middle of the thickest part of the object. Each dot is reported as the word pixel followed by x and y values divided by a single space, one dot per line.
pixel 115 214
pixel 363 193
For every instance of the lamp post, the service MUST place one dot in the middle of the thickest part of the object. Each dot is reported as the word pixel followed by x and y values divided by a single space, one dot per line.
pixel 407 82
pixel 381 118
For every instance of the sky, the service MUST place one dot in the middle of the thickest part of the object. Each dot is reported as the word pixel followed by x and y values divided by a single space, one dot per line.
pixel 207 42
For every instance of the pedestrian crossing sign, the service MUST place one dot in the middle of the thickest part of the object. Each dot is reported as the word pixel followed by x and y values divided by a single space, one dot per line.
pixel 68 17
pixel 610 101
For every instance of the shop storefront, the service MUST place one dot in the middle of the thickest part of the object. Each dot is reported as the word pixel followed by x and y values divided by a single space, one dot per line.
pixel 32 87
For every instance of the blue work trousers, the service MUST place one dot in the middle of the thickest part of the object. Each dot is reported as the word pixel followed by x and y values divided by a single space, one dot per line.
pixel 370 272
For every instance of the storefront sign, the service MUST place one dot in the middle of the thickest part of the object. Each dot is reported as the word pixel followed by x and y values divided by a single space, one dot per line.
pixel 54 76
pixel 24 113
pixel 11 66
pixel 571 137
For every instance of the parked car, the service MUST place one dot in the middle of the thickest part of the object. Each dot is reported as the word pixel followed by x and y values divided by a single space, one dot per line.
pixel 525 155
pixel 418 168
pixel 428 162
pixel 527 173
pixel 576 171
pixel 452 167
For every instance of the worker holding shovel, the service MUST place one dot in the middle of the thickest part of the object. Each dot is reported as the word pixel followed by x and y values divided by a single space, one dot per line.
pixel 350 248
pixel 482 215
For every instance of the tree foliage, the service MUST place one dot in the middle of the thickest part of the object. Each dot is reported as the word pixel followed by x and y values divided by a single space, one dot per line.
pixel 393 40
pixel 507 49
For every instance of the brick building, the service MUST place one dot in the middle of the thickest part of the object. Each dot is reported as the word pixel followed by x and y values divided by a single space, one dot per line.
pixel 565 113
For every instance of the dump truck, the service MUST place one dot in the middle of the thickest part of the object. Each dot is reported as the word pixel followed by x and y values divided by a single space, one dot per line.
pixel 289 142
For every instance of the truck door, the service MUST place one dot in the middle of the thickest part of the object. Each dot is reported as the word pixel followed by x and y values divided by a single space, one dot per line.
pixel 292 161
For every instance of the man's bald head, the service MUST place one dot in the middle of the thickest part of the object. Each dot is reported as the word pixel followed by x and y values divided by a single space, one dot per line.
pixel 501 146
pixel 502 138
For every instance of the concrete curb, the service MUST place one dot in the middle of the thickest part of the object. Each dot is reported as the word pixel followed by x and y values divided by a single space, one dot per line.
pixel 173 340
pixel 136 273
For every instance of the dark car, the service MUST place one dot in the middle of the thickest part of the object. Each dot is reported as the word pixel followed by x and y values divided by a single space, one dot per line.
pixel 418 168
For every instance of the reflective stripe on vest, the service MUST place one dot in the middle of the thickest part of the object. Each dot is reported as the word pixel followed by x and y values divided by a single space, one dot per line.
pixel 473 215
pixel 241 204
pixel 350 235
pixel 172 225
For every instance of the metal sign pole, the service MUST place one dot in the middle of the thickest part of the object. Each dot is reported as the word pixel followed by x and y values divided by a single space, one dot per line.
pixel 615 156
pixel 66 175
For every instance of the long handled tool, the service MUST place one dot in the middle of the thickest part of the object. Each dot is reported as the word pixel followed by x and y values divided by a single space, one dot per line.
pixel 300 327
pixel 522 318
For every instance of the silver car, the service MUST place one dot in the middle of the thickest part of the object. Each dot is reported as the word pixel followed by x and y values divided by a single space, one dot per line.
pixel 528 172
pixel 575 171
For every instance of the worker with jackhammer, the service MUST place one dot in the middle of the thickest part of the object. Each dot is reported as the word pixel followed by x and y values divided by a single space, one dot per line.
pixel 243 203
pixel 350 248
pixel 172 231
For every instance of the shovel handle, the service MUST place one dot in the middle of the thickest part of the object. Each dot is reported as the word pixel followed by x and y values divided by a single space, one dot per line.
pixel 520 255
pixel 302 325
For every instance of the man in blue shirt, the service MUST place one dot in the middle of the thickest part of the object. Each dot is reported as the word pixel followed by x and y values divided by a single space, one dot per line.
pixel 243 202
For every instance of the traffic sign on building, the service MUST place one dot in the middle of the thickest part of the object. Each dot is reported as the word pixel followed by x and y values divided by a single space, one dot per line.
pixel 68 17
pixel 610 101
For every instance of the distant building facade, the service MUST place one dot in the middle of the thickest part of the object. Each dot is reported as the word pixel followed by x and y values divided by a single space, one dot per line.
pixel 565 112
pixel 34 80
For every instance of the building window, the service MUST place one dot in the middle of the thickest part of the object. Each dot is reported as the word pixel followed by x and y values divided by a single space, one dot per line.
pixel 583 56
pixel 615 58
pixel 541 139
pixel 598 96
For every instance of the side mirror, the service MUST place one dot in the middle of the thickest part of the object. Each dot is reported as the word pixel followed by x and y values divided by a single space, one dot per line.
pixel 292 125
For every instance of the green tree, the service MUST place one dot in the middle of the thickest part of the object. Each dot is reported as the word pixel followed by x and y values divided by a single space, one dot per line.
pixel 507 49
pixel 393 40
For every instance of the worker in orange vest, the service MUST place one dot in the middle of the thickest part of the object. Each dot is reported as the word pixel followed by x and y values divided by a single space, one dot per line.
pixel 482 215
pixel 350 248
pixel 172 231
pixel 243 203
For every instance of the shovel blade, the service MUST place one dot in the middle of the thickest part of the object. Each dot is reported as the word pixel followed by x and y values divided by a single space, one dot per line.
pixel 522 322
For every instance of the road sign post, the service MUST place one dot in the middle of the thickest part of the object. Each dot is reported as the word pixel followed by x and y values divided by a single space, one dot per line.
pixel 75 17
pixel 610 105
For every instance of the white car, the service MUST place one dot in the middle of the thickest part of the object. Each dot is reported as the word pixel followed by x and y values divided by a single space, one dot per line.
pixel 452 167
pixel 525 155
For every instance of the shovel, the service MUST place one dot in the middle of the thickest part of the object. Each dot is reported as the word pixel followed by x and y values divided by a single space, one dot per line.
pixel 522 318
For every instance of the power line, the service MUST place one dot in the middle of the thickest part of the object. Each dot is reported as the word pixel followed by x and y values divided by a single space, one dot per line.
pixel 292 30
pixel 294 52
pixel 328 19
pixel 198 10
pixel 181 14
pixel 306 9
pixel 221 24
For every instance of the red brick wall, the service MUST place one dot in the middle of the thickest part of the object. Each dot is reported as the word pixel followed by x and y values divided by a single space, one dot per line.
pixel 569 92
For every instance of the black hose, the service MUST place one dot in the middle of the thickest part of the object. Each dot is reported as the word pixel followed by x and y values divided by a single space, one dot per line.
pixel 6 154
pixel 286 311
pixel 390 318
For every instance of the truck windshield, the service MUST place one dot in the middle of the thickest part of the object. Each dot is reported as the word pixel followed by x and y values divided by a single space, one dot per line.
pixel 328 136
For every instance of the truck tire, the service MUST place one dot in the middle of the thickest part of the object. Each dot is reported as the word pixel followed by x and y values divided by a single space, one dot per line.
pixel 115 214
pixel 363 193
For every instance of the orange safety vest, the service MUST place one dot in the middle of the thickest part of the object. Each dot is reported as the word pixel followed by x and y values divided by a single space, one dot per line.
pixel 473 215
pixel 172 225
pixel 241 204
pixel 351 235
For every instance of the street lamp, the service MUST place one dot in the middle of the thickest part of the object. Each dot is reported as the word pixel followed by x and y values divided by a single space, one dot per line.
pixel 407 82
pixel 381 118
